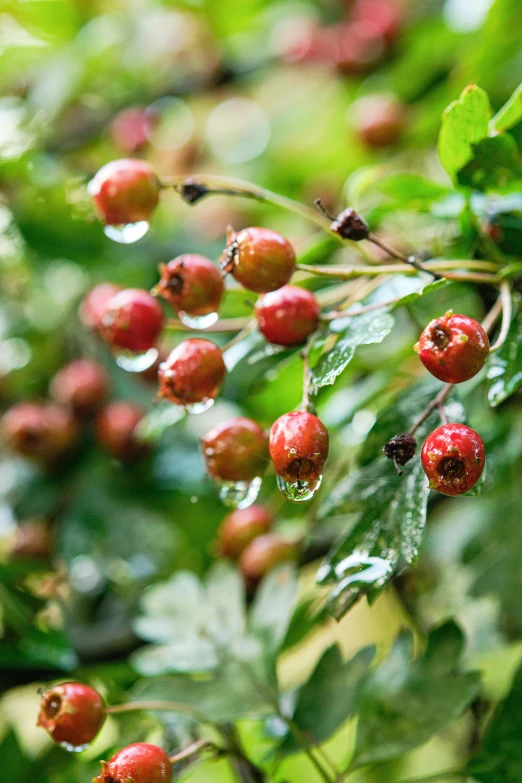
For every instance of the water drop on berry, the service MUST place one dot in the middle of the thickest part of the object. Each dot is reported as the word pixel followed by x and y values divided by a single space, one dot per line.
pixel 199 407
pixel 299 491
pixel 239 494
pixel 74 748
pixel 135 362
pixel 198 321
pixel 128 233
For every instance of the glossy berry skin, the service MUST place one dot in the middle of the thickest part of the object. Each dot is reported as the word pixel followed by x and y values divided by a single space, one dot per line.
pixel 132 321
pixel 192 373
pixel 287 316
pixel 236 450
pixel 72 713
pixel 94 305
pixel 191 284
pixel 240 527
pixel 453 348
pixel 298 446
pixel 125 191
pixel 41 431
pixel 453 458
pixel 264 553
pixel 138 763
pixel 82 385
pixel 260 259
pixel 115 431
pixel 380 120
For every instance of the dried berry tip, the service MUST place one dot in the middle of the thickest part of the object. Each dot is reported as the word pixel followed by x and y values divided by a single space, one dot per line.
pixel 348 224
pixel 192 191
pixel 401 448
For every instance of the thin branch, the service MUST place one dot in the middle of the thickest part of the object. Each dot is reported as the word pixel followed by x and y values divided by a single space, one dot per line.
pixel 194 750
pixel 435 403
pixel 352 272
pixel 244 332
pixel 225 325
pixel 506 304
pixel 411 260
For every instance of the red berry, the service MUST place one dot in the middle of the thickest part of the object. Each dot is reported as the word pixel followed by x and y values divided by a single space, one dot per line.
pixel 82 385
pixel 287 316
pixel 93 307
pixel 191 284
pixel 133 320
pixel 236 450
pixel 453 348
pixel 384 15
pixel 453 458
pixel 298 446
pixel 33 540
pixel 125 191
pixel 260 259
pixel 240 527
pixel 72 713
pixel 192 373
pixel 138 763
pixel 41 431
pixel 130 129
pixel 116 430
pixel 379 120
pixel 264 553
pixel 358 46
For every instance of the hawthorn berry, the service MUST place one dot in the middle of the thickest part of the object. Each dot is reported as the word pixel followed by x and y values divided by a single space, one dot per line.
pixel 380 120
pixel 453 348
pixel 133 320
pixel 240 527
pixel 137 763
pixel 287 316
pixel 125 191
pixel 116 430
pixel 131 128
pixel 72 713
pixel 192 373
pixel 40 431
pixel 94 305
pixel 236 450
pixel 453 458
pixel 264 553
pixel 191 284
pixel 81 385
pixel 298 446
pixel 260 259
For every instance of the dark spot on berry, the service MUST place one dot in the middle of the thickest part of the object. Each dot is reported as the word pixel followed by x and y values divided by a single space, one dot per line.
pixel 451 468
pixel 52 705
pixel 175 283
pixel 439 336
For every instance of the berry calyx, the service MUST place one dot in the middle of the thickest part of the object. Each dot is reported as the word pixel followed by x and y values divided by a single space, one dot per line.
pixel 260 259
pixel 298 446
pixel 380 120
pixel 453 458
pixel 401 449
pixel 40 431
pixel 192 373
pixel 287 316
pixel 236 450
pixel 453 348
pixel 191 284
pixel 94 305
pixel 125 191
pixel 82 385
pixel 264 553
pixel 240 527
pixel 137 763
pixel 116 431
pixel 72 714
pixel 132 321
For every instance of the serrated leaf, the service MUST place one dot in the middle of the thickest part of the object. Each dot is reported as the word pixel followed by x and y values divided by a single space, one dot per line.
pixel 505 370
pixel 510 114
pixel 330 696
pixel 406 701
pixel 499 760
pixel 353 331
pixel 464 123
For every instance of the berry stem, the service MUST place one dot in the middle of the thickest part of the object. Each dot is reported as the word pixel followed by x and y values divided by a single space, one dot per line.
pixel 160 705
pixel 194 750
pixel 307 375
pixel 506 305
pixel 411 260
pixel 437 402
pixel 352 272
pixel 225 325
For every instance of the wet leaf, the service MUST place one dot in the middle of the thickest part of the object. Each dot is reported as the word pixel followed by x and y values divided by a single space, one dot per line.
pixel 505 370
pixel 510 114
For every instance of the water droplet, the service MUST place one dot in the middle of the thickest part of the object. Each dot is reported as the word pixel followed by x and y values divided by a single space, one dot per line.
pixel 198 321
pixel 239 494
pixel 136 362
pixel 74 748
pixel 299 491
pixel 199 407
pixel 128 233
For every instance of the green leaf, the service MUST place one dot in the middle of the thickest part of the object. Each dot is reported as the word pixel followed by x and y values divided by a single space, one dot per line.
pixel 330 696
pixel 423 290
pixel 271 611
pixel 505 370
pixel 464 123
pixel 353 331
pixel 495 163
pixel 406 701
pixel 510 114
